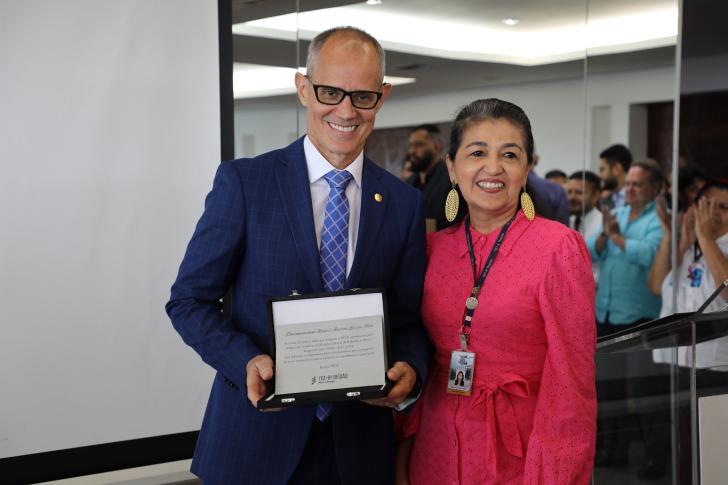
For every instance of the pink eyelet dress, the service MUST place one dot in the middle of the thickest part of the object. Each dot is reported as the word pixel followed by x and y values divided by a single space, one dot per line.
pixel 531 418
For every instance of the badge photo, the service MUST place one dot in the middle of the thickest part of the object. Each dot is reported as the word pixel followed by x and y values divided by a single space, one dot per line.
pixel 460 378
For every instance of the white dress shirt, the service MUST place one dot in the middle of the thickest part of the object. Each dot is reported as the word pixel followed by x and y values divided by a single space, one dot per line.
pixel 590 224
pixel 318 166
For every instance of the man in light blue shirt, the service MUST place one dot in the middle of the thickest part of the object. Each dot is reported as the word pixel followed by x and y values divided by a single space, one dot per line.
pixel 625 250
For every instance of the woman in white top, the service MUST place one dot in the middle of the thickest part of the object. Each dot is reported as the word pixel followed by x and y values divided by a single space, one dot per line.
pixel 702 263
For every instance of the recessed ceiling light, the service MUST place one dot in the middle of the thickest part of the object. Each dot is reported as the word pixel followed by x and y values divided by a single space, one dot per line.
pixel 510 21
pixel 374 2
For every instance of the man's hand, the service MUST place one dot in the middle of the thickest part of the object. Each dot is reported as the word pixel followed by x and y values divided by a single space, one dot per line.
pixel 259 369
pixel 404 378
pixel 612 225
pixel 606 215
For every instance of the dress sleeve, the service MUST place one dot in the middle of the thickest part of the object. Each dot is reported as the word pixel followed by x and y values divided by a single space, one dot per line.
pixel 561 446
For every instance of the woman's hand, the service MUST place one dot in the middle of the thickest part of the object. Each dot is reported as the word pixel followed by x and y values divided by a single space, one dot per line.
pixel 706 227
pixel 687 230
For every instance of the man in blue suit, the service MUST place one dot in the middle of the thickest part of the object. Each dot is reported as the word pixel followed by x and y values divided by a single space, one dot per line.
pixel 263 233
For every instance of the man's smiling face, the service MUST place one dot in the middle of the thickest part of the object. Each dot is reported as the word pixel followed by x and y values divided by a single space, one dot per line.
pixel 340 131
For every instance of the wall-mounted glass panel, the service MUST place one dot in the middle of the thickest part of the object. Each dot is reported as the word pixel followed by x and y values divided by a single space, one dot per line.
pixel 630 91
pixel 702 246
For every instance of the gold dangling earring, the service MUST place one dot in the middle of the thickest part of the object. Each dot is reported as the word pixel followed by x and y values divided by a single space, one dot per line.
pixel 527 205
pixel 452 204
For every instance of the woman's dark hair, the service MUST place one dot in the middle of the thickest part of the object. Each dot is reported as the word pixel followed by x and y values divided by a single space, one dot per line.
pixel 718 183
pixel 490 109
pixel 687 176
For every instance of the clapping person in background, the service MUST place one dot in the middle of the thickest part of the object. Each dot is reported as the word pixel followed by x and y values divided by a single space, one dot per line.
pixel 702 252
pixel 625 250
pixel 702 266
pixel 614 163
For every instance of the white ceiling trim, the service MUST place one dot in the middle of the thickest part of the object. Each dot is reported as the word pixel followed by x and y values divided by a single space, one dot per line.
pixel 442 37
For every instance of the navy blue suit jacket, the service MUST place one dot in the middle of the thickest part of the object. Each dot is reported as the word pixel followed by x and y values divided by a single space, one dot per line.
pixel 549 199
pixel 256 238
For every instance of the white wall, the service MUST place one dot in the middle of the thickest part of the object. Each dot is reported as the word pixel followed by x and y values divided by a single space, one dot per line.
pixel 561 122
pixel 622 89
pixel 554 108
pixel 103 171
pixel 270 128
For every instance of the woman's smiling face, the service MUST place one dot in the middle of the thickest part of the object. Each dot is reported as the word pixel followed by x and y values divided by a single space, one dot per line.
pixel 490 167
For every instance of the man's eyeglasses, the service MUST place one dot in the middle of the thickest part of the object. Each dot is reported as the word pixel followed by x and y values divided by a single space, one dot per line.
pixel 332 96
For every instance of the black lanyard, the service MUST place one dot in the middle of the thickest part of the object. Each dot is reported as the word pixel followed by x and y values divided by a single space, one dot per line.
pixel 697 252
pixel 471 303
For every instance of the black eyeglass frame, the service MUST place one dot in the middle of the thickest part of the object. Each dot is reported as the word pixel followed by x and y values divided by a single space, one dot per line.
pixel 345 94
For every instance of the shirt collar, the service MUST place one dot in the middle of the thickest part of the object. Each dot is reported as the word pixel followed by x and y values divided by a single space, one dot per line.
pixel 650 206
pixel 318 166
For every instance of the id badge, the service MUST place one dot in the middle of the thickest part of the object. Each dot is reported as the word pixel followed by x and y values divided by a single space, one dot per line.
pixel 695 274
pixel 460 377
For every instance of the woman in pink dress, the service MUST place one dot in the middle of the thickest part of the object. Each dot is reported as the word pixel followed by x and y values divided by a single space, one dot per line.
pixel 508 301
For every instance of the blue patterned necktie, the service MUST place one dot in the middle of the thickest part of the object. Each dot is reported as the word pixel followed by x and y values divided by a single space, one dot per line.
pixel 334 247
pixel 335 233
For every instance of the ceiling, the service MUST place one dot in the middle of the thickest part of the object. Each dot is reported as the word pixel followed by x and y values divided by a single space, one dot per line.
pixel 436 73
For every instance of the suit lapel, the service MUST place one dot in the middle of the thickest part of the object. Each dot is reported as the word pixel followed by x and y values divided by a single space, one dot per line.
pixel 295 192
pixel 371 218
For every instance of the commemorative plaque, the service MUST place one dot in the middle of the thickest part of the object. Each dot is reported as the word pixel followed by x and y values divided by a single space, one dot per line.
pixel 328 347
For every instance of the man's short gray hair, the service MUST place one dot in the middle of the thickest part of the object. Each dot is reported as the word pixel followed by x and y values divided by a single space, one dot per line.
pixel 653 169
pixel 314 48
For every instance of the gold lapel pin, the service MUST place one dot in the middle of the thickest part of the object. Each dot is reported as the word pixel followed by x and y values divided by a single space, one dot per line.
pixel 378 197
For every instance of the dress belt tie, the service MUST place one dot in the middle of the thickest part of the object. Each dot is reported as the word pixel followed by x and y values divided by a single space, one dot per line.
pixel 494 398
